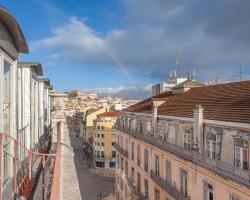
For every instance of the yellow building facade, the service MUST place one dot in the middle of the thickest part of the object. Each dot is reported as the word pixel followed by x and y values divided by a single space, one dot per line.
pixel 104 140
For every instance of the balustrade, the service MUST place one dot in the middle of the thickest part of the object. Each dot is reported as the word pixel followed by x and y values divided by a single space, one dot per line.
pixel 217 166
pixel 135 191
pixel 169 188
pixel 120 150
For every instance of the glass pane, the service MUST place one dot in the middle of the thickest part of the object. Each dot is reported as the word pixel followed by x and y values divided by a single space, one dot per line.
pixel 245 158
pixel 237 157
pixel 6 98
pixel 6 119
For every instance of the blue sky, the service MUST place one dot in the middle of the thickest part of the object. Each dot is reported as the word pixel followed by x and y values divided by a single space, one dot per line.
pixel 129 44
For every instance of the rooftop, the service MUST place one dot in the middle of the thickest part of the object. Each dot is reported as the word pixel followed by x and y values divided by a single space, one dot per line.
pixel 109 114
pixel 223 102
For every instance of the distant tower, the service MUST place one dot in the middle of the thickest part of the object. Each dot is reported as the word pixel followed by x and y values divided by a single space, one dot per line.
pixel 178 61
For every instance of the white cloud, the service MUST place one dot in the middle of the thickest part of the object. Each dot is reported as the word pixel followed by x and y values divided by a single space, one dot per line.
pixel 152 33
pixel 113 90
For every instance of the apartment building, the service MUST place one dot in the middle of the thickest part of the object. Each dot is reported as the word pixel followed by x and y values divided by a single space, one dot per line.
pixel 90 116
pixel 19 107
pixel 104 139
pixel 188 143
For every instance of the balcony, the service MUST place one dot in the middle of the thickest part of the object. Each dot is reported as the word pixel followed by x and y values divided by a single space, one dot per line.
pixel 219 167
pixel 169 188
pixel 135 191
pixel 121 151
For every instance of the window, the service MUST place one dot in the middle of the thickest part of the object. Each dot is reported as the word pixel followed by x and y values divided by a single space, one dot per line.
pixel 99 154
pixel 113 154
pixel 148 126
pixel 157 194
pixel 234 197
pixel 241 153
pixel 211 142
pixel 183 188
pixel 146 187
pixel 122 162
pixel 118 161
pixel 168 172
pixel 6 118
pixel 146 160
pixel 132 151
pixel 100 135
pixel 138 155
pixel 121 142
pixel 126 168
pixel 121 184
pixel 113 144
pixel 132 175
pixel 138 182
pixel 172 135
pixel 126 145
pixel 157 165
pixel 6 98
pixel 187 141
pixel 102 154
pixel 207 188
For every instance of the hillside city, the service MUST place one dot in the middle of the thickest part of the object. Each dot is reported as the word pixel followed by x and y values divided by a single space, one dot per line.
pixel 189 139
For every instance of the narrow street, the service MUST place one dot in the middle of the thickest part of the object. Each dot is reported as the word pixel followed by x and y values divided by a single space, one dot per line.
pixel 92 186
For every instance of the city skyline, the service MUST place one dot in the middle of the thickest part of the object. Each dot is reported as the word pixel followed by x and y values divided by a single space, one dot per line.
pixel 133 42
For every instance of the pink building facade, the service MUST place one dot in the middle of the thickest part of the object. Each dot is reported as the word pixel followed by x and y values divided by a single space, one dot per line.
pixel 189 143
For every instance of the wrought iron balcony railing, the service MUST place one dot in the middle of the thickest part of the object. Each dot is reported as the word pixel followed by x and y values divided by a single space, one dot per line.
pixel 224 169
pixel 135 191
pixel 120 150
pixel 169 188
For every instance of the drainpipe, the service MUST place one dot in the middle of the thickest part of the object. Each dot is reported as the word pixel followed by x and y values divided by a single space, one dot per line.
pixel 198 129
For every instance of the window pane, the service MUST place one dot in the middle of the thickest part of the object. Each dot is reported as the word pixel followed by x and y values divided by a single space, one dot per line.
pixel 6 98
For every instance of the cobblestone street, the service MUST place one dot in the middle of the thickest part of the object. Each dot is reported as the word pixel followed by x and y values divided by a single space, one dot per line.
pixel 92 186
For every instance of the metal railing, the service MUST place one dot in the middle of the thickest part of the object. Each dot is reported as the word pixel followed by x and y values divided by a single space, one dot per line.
pixel 135 191
pixel 24 172
pixel 168 187
pixel 120 150
pixel 223 169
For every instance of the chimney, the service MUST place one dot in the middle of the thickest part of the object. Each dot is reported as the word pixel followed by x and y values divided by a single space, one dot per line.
pixel 154 107
pixel 198 129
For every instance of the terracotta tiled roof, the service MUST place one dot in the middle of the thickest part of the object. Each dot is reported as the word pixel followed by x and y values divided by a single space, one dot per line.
pixel 145 105
pixel 224 102
pixel 109 114
pixel 91 110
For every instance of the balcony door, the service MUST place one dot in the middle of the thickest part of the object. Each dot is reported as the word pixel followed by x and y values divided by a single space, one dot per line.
pixel 183 186
pixel 241 153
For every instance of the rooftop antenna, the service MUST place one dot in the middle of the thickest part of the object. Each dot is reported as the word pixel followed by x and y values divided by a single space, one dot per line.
pixel 216 78
pixel 178 60
pixel 241 73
